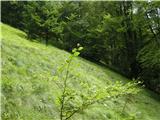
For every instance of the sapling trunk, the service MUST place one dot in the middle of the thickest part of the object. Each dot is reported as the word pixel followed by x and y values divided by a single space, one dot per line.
pixel 125 104
pixel 64 90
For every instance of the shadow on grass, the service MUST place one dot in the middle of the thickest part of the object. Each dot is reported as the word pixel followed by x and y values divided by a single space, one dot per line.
pixel 152 94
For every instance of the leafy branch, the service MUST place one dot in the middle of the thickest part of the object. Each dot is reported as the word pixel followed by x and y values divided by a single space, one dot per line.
pixel 72 101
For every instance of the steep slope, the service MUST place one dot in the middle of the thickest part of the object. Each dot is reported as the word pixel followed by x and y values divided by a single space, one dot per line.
pixel 28 91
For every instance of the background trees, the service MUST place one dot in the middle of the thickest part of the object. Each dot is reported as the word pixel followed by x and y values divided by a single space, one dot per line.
pixel 122 35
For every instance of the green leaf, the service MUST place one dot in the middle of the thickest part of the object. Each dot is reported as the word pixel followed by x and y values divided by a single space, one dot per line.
pixel 76 53
pixel 80 48
pixel 74 50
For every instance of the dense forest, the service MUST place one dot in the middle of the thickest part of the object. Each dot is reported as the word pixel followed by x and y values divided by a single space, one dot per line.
pixel 83 60
pixel 124 36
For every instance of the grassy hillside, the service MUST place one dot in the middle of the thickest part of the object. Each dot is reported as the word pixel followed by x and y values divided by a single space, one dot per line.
pixel 29 92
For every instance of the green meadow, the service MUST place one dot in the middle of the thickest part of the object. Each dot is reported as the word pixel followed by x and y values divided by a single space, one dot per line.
pixel 29 92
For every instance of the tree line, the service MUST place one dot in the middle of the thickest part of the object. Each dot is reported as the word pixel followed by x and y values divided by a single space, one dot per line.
pixel 123 35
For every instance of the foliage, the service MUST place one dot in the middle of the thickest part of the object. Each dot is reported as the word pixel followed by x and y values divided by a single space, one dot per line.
pixel 29 92
pixel 149 58
pixel 112 33
pixel 72 101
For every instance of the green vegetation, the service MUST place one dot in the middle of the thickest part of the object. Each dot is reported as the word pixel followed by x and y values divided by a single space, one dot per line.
pixel 73 100
pixel 29 91
pixel 123 35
